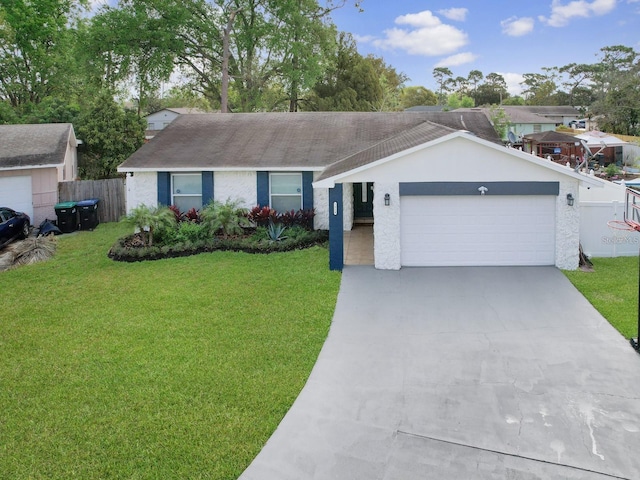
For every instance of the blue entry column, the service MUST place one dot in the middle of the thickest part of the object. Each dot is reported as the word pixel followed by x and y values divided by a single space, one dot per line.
pixel 336 229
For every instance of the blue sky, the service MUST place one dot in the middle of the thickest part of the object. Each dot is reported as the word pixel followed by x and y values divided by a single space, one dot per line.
pixel 505 37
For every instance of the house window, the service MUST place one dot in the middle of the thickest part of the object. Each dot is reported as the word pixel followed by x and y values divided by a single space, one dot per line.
pixel 285 191
pixel 537 128
pixel 186 191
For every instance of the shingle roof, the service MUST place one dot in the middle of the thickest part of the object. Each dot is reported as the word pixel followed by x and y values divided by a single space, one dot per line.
pixel 418 135
pixel 553 110
pixel 311 140
pixel 551 136
pixel 33 145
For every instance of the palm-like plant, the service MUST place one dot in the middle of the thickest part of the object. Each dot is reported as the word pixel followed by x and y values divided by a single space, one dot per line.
pixel 227 217
pixel 148 220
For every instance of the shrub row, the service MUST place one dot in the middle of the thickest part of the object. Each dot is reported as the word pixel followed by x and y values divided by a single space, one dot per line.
pixel 131 249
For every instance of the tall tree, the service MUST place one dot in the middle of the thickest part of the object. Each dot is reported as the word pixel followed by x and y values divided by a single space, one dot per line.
pixel 110 134
pixel 492 92
pixel 391 83
pixel 36 38
pixel 349 84
pixel 577 77
pixel 617 85
pixel 442 75
pixel 416 96
pixel 474 78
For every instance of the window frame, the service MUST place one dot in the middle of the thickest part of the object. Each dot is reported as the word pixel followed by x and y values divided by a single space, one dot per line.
pixel 185 195
pixel 299 194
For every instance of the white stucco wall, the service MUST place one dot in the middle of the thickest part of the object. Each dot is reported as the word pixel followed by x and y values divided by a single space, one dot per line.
pixel 608 193
pixel 236 186
pixel 142 188
pixel 386 226
pixel 567 226
pixel 347 202
pixel 321 206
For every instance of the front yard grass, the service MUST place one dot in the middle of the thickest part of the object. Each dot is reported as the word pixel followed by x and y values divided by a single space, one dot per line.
pixel 177 368
pixel 612 288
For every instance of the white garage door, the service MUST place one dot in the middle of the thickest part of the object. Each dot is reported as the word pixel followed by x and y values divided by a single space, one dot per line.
pixel 475 230
pixel 15 193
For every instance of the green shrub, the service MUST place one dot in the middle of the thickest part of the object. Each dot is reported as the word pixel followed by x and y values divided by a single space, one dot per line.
pixel 128 251
pixel 611 169
pixel 150 220
pixel 227 217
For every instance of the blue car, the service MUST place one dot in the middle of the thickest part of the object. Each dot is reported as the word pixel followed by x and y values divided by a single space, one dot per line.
pixel 13 225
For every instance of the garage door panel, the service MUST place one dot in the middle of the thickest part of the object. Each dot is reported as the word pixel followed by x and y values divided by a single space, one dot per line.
pixel 16 193
pixel 462 230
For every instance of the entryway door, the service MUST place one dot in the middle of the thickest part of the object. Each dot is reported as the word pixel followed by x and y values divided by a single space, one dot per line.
pixel 363 202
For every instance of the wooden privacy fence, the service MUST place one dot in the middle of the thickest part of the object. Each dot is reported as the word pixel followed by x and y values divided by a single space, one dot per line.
pixel 110 192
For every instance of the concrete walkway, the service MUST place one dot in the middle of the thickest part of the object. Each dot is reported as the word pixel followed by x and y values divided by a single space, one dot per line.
pixel 462 373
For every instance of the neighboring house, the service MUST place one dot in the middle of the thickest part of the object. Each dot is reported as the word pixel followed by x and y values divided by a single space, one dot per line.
pixel 528 120
pixel 33 159
pixel 440 188
pixel 609 148
pixel 560 114
pixel 425 108
pixel 158 120
pixel 557 146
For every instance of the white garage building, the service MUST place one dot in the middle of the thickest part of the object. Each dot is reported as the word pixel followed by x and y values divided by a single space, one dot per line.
pixel 460 200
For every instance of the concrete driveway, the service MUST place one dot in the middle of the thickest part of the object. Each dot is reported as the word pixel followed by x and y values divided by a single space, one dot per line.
pixel 462 373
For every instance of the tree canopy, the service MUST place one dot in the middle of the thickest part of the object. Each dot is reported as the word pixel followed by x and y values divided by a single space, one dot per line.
pixel 58 63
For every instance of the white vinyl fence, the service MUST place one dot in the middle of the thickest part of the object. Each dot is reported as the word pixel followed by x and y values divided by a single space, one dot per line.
pixel 598 239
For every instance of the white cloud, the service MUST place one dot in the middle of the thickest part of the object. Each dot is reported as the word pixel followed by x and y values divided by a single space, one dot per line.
pixel 427 36
pixel 562 14
pixel 513 82
pixel 517 27
pixel 457 59
pixel 457 14
pixel 363 38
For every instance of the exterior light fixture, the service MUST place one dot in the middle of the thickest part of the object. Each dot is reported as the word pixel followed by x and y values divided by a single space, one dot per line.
pixel 387 199
pixel 570 199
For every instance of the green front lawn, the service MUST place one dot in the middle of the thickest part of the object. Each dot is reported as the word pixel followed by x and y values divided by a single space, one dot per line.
pixel 177 368
pixel 612 288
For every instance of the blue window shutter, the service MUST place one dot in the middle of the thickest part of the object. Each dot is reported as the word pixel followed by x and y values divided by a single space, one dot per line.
pixel 263 189
pixel 207 187
pixel 336 229
pixel 164 188
pixel 307 190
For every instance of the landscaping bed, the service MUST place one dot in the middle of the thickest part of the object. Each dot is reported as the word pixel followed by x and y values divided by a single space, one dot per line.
pixel 165 232
pixel 132 248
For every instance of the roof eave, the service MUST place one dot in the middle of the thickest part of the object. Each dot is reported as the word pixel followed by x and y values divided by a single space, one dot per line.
pixel 330 182
pixel 31 167
pixel 125 169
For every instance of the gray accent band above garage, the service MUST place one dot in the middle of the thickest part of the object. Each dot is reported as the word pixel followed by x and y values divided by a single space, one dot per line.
pixel 473 188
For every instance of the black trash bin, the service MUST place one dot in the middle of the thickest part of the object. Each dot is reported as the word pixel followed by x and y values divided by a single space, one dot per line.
pixel 67 213
pixel 88 212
